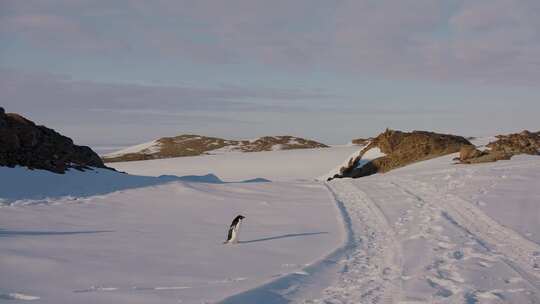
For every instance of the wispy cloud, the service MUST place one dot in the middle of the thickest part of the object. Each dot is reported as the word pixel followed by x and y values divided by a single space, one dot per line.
pixel 493 41
pixel 44 91
pixel 138 112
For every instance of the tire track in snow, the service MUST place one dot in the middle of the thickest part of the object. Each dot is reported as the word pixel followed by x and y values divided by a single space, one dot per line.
pixel 372 271
pixel 516 251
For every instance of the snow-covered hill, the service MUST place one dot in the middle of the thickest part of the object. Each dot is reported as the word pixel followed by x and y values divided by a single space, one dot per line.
pixel 193 145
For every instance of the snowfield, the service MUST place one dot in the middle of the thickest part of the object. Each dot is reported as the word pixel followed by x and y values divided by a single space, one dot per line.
pixel 439 233
pixel 287 165
pixel 105 237
pixel 432 232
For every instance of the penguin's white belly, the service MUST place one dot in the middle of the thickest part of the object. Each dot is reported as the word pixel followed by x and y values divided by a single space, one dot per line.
pixel 235 233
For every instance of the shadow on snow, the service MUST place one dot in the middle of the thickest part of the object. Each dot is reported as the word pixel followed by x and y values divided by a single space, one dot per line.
pixel 290 235
pixel 19 184
pixel 12 233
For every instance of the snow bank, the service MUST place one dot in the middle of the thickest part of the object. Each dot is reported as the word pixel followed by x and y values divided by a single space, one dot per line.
pixel 371 154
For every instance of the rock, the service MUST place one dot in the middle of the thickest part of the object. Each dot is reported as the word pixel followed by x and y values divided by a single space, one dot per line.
pixel 503 148
pixel 23 143
pixel 401 149
pixel 193 145
pixel 524 142
pixel 361 141
pixel 467 152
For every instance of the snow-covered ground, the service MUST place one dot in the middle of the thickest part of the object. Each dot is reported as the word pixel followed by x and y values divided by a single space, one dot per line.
pixel 305 164
pixel 432 232
pixel 105 237
pixel 440 233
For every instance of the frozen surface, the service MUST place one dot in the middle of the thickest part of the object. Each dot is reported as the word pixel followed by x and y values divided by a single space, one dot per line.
pixel 431 232
pixel 163 244
pixel 274 165
pixel 434 232
pixel 106 237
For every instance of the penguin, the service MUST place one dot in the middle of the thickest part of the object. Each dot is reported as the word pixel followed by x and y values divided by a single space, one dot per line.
pixel 234 230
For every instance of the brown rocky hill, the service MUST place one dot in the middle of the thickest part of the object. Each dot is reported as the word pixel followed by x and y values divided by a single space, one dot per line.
pixel 23 143
pixel 193 145
pixel 504 147
pixel 401 149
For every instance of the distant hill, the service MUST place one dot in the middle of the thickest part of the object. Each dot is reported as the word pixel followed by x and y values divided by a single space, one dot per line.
pixel 23 143
pixel 193 145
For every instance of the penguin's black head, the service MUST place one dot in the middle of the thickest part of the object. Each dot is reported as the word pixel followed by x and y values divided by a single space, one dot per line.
pixel 240 217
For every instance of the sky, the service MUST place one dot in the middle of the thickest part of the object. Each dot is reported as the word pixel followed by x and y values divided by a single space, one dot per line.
pixel 117 72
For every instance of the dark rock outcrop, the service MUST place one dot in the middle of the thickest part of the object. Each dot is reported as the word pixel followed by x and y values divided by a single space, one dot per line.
pixel 401 149
pixel 503 148
pixel 23 143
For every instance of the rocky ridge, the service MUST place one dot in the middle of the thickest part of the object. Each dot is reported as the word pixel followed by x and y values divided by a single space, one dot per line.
pixel 193 145
pixel 504 147
pixel 23 143
pixel 401 149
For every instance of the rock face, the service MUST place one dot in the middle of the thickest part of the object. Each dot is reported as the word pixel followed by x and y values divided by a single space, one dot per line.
pixel 193 145
pixel 23 143
pixel 504 147
pixel 519 143
pixel 361 141
pixel 401 149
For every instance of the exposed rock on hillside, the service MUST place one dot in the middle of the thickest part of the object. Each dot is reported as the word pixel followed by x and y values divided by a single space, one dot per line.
pixel 23 143
pixel 504 147
pixel 192 145
pixel 401 149
pixel 362 141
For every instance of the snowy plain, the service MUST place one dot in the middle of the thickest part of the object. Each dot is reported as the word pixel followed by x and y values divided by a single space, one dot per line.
pixel 431 232
pixel 106 237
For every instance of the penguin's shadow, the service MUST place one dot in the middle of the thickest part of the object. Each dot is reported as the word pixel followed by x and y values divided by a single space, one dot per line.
pixel 283 236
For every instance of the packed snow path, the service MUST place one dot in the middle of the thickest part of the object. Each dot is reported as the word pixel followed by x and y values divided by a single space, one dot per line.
pixel 412 242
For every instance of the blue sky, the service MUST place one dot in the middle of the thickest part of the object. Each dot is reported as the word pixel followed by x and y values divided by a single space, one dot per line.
pixel 125 71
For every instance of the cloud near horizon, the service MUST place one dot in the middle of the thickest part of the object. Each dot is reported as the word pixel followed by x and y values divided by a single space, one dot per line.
pixel 481 41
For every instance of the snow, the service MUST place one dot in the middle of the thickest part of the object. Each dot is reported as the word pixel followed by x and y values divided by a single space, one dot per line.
pixel 431 232
pixel 369 155
pixel 106 237
pixel 146 148
pixel 283 165
pixel 417 234
pixel 20 186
